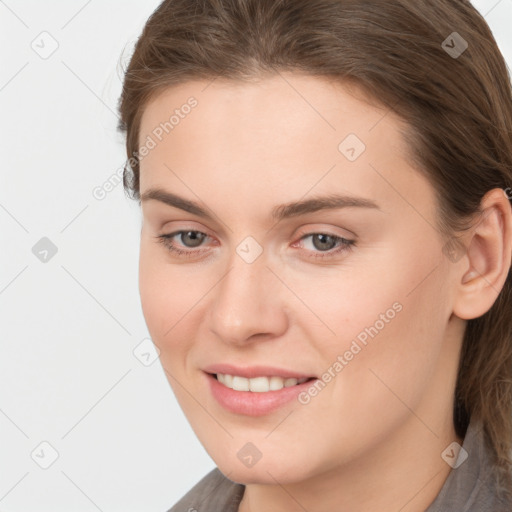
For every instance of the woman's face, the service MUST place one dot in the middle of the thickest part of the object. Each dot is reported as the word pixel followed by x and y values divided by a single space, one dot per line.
pixel 356 292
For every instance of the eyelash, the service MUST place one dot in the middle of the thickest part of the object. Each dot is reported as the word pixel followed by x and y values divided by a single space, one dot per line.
pixel 345 244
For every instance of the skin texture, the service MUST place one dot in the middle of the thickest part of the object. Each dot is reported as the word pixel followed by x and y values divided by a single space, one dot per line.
pixel 372 438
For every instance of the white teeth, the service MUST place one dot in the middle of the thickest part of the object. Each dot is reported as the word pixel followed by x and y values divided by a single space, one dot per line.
pixel 257 384
pixel 240 383
pixel 276 383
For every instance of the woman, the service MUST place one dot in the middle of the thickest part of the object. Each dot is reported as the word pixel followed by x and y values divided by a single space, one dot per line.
pixel 326 248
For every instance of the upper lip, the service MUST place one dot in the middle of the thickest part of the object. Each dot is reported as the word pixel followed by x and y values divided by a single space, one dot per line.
pixel 255 371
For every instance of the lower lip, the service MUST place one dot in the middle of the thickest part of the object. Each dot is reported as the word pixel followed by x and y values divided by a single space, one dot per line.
pixel 252 403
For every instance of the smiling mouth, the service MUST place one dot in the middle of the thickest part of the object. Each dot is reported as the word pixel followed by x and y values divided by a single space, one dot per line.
pixel 261 384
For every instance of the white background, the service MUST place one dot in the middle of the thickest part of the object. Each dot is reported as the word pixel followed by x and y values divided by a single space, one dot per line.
pixel 68 374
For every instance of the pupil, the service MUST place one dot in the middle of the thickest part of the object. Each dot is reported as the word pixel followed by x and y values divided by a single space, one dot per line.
pixel 196 237
pixel 322 237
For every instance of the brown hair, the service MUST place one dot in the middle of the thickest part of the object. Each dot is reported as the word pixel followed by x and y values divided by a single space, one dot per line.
pixel 458 110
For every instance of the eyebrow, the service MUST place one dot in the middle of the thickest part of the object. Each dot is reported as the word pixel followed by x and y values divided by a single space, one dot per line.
pixel 280 212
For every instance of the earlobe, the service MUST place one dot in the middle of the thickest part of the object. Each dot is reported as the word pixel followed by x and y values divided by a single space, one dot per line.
pixel 487 259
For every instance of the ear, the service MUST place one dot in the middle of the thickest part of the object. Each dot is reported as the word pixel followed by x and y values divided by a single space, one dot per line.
pixel 486 263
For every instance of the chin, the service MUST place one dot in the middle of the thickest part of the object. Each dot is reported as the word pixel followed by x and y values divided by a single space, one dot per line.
pixel 283 472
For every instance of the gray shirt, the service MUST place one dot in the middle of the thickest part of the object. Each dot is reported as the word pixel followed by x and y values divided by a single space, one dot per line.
pixel 471 487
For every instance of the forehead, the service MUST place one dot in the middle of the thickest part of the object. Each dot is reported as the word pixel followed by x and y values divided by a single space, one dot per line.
pixel 273 116
pixel 303 104
pixel 284 134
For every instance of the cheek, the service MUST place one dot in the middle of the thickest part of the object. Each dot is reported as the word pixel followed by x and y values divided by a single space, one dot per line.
pixel 401 276
pixel 389 314
pixel 165 293
pixel 351 298
pixel 396 363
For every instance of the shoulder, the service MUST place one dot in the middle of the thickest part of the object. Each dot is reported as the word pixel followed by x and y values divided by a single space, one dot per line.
pixel 475 483
pixel 212 493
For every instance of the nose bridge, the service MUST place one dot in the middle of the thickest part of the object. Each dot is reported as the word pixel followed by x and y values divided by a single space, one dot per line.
pixel 247 301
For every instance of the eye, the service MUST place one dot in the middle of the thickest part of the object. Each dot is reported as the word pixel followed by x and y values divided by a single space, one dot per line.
pixel 195 238
pixel 324 243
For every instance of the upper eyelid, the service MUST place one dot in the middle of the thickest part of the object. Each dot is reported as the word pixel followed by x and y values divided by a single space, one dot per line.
pixel 348 235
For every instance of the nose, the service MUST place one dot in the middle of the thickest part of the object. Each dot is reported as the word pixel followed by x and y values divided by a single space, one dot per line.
pixel 248 303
